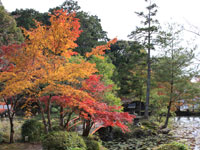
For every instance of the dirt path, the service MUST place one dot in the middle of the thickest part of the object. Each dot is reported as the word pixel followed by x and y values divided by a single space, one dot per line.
pixel 20 146
pixel 187 130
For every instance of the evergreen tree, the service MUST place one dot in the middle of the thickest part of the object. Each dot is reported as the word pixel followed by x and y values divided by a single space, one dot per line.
pixel 9 32
pixel 171 69
pixel 145 36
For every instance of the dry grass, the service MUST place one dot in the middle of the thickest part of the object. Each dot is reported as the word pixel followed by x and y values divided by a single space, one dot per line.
pixel 20 146
pixel 5 129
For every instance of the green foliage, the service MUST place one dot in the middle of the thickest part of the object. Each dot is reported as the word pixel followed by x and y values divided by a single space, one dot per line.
pixel 112 99
pixel 129 59
pixel 26 18
pixel 56 128
pixel 149 125
pixel 76 148
pixel 149 26
pixel 69 5
pixel 54 110
pixel 61 140
pixel 139 132
pixel 1 137
pixel 33 129
pixel 172 71
pixel 93 143
pixel 92 34
pixel 106 69
pixel 9 32
pixel 117 133
pixel 172 146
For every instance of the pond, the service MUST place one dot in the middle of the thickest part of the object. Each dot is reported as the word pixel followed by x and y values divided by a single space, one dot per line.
pixel 187 129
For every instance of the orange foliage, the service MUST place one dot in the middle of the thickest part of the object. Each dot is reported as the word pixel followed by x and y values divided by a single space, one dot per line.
pixel 100 50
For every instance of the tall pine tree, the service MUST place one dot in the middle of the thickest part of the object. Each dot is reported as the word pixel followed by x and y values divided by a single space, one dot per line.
pixel 144 35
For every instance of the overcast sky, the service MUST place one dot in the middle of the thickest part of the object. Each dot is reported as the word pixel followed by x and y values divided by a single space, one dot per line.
pixel 117 16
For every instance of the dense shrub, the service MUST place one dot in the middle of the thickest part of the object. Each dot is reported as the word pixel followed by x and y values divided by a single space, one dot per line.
pixel 172 146
pixel 54 110
pixel 93 143
pixel 139 132
pixel 118 134
pixel 149 125
pixel 61 140
pixel 33 129
pixel 1 137
pixel 57 128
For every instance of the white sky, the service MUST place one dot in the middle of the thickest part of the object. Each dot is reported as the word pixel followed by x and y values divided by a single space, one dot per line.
pixel 117 16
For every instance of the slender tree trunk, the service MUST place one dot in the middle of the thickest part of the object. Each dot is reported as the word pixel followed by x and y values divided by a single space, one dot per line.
pixel 43 117
pixel 168 114
pixel 146 114
pixel 61 117
pixel 171 89
pixel 49 113
pixel 66 126
pixel 10 115
pixel 11 130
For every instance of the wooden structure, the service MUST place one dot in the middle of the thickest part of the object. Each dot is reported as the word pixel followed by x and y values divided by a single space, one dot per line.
pixel 134 107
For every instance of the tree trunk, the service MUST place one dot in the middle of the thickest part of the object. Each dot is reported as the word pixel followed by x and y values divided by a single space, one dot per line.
pixel 146 114
pixel 86 128
pixel 171 89
pixel 66 126
pixel 43 117
pixel 11 130
pixel 10 115
pixel 49 113
pixel 168 114
pixel 61 117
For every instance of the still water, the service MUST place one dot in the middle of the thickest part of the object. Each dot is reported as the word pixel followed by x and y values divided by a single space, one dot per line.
pixel 187 130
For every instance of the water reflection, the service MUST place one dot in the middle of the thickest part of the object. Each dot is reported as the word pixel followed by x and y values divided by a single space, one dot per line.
pixel 188 128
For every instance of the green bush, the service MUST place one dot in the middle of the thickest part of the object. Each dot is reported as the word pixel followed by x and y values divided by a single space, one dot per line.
pixel 93 143
pixel 33 129
pixel 118 134
pixel 1 137
pixel 149 125
pixel 139 132
pixel 61 140
pixel 57 128
pixel 172 146
pixel 54 110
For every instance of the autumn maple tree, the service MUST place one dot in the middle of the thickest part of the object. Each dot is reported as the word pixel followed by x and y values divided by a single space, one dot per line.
pixel 42 68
